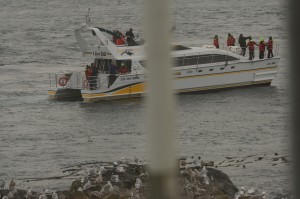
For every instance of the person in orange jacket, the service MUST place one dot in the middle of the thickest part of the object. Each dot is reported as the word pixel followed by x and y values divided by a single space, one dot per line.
pixel 269 45
pixel 230 40
pixel 216 41
pixel 251 44
pixel 262 48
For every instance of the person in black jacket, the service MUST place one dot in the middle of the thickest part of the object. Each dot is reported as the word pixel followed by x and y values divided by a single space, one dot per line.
pixel 130 37
pixel 243 45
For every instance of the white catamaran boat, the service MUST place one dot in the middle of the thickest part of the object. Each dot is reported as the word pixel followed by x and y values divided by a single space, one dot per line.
pixel 121 72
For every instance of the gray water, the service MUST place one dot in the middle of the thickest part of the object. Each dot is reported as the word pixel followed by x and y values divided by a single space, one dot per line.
pixel 39 137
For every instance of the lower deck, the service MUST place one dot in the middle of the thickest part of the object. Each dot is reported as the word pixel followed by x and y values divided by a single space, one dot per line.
pixel 187 79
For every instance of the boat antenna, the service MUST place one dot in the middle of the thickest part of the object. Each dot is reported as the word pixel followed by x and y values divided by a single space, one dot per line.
pixel 87 18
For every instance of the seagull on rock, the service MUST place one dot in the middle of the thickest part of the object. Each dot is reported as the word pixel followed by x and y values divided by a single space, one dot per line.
pixel 54 195
pixel 29 193
pixel 87 185
pixel 43 195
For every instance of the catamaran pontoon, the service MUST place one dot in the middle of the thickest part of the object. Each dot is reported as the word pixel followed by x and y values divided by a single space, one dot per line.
pixel 195 69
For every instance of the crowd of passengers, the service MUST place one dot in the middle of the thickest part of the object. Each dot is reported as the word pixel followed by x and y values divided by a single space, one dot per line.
pixel 262 45
pixel 92 71
pixel 119 38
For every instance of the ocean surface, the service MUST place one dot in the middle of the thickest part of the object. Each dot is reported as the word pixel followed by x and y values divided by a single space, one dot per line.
pixel 40 137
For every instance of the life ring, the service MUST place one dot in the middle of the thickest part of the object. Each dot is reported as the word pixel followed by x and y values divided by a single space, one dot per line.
pixel 62 81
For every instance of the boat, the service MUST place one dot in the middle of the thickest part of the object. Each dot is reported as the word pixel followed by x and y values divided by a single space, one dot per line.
pixel 196 69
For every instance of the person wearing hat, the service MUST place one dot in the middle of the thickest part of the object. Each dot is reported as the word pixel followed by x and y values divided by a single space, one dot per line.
pixel 216 41
pixel 262 48
pixel 269 45
pixel 243 45
pixel 251 44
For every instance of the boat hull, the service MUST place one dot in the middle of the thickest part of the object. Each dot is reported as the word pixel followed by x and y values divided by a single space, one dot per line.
pixel 192 79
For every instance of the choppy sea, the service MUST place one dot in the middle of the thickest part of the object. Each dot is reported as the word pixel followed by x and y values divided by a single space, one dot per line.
pixel 40 137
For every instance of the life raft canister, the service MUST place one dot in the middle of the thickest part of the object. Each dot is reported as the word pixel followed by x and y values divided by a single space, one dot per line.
pixel 62 81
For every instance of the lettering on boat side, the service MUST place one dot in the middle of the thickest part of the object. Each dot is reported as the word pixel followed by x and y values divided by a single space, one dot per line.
pixel 103 54
pixel 270 63
pixel 129 78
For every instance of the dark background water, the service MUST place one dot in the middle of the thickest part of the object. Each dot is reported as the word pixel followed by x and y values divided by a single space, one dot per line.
pixel 39 137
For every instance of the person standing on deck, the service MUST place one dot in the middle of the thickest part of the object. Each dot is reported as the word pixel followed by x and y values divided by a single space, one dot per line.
pixel 216 41
pixel 251 44
pixel 94 76
pixel 130 37
pixel 269 45
pixel 242 42
pixel 262 48
pixel 230 40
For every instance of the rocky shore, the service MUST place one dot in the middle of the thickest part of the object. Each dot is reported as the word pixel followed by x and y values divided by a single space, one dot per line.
pixel 125 179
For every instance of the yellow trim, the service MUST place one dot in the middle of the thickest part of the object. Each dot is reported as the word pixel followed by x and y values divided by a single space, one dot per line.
pixel 137 88
pixel 51 92
pixel 234 72
pixel 223 86
pixel 84 95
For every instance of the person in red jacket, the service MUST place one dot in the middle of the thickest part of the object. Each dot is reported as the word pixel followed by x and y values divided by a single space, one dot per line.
pixel 269 45
pixel 216 41
pixel 251 44
pixel 123 69
pixel 262 48
pixel 230 40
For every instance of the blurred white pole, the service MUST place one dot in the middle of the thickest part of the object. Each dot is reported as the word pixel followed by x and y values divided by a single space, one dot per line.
pixel 160 106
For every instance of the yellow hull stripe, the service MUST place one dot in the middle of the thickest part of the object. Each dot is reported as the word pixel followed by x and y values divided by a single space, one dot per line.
pixel 51 92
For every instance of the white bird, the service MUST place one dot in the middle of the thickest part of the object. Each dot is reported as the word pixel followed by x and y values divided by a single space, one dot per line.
pixel 28 193
pixel 136 160
pixel 107 188
pixel 115 178
pixel 14 191
pixel 80 189
pixel 138 183
pixel 120 169
pixel 122 160
pixel 102 170
pixel 90 140
pixel 54 195
pixel 43 196
pixel 5 197
pixel 99 179
pixel 10 195
pixel 87 185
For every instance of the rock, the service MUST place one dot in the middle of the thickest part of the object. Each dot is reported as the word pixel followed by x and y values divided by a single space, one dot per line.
pixel 208 163
pixel 2 184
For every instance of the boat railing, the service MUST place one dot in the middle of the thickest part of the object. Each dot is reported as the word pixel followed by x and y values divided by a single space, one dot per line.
pixel 80 81
pixel 238 50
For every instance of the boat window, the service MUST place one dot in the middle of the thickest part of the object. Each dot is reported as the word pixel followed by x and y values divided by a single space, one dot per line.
pixel 200 71
pixel 232 67
pixel 202 59
pixel 211 69
pixel 221 68
pixel 127 64
pixel 143 63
